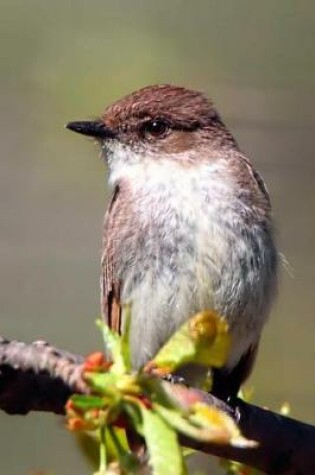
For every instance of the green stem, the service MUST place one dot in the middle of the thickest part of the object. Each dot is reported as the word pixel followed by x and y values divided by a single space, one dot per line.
pixel 103 455
pixel 128 461
pixel 120 449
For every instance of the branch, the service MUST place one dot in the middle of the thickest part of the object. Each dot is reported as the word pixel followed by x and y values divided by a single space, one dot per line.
pixel 39 377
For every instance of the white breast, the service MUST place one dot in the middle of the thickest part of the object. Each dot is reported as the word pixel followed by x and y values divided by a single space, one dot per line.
pixel 189 259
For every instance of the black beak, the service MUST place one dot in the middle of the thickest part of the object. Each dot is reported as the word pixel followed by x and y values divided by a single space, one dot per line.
pixel 95 129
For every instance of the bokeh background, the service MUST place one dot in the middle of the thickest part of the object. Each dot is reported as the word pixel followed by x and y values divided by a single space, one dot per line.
pixel 65 60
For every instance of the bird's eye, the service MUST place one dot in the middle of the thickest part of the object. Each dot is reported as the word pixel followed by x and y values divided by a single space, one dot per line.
pixel 155 128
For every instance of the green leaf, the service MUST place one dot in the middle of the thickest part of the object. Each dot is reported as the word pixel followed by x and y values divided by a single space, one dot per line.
pixel 86 402
pixel 217 426
pixel 133 412
pixel 179 422
pixel 103 383
pixel 119 346
pixel 202 340
pixel 125 345
pixel 204 423
pixel 154 389
pixel 115 347
pixel 127 460
pixel 165 454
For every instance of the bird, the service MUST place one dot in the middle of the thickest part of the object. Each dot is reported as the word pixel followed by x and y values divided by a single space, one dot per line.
pixel 188 228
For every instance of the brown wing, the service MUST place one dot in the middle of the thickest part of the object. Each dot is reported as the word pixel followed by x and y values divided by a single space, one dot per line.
pixel 258 183
pixel 110 287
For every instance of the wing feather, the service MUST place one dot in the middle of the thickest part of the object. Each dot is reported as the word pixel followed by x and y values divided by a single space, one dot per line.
pixel 110 286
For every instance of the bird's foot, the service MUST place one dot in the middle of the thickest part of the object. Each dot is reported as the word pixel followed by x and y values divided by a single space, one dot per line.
pixel 175 379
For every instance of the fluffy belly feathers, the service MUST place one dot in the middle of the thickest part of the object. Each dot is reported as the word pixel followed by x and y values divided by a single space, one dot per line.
pixel 191 252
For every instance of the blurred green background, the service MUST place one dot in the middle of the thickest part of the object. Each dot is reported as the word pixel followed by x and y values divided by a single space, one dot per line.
pixel 65 60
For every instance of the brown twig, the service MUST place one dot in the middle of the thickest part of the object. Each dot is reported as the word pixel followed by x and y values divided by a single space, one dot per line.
pixel 39 377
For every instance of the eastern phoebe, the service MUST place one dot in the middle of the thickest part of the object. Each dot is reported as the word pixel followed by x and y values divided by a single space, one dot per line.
pixel 188 227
